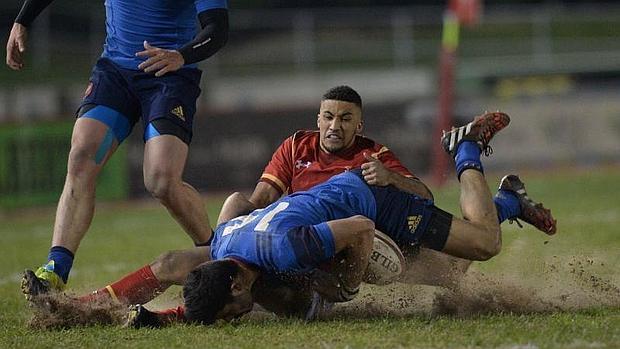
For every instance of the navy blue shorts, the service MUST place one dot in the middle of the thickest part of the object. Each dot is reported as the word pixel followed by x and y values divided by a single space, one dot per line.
pixel 166 104
pixel 408 219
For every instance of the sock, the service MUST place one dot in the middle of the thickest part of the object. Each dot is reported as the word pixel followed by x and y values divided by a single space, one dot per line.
pixel 138 287
pixel 172 315
pixel 507 205
pixel 467 157
pixel 63 261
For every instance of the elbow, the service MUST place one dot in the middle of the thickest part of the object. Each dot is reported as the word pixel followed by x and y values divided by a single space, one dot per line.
pixel 366 230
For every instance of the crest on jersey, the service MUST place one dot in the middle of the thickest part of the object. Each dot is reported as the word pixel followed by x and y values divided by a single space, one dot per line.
pixel 178 112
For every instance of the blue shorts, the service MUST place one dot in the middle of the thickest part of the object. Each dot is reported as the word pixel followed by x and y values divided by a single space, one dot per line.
pixel 166 104
pixel 408 218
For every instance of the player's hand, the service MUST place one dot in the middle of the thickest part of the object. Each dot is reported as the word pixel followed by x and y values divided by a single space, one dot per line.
pixel 160 61
pixel 374 172
pixel 15 46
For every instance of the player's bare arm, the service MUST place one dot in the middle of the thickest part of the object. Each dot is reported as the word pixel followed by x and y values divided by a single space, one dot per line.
pixel 16 44
pixel 211 38
pixel 235 205
pixel 263 195
pixel 353 237
pixel 375 173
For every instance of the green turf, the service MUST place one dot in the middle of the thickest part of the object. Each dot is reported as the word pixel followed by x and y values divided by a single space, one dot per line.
pixel 575 270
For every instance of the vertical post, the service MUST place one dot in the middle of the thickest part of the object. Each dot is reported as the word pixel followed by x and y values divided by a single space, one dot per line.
pixel 458 11
pixel 447 62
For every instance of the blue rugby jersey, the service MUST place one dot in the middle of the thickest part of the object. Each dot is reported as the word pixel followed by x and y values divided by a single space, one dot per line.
pixel 261 237
pixel 163 23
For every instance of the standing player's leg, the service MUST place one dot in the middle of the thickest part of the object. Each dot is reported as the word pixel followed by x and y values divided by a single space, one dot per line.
pixel 105 118
pixel 92 144
pixel 168 108
pixel 97 133
pixel 164 161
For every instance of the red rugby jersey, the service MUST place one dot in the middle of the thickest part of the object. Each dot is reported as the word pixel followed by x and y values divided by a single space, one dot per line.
pixel 299 162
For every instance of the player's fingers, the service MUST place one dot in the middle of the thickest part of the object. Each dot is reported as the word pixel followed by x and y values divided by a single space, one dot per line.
pixel 149 62
pixel 145 53
pixel 370 179
pixel 163 71
pixel 155 66
pixel 13 59
pixel 21 45
pixel 366 165
pixel 369 158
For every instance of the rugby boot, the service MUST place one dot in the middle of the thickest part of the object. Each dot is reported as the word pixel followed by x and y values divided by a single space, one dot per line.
pixel 42 281
pixel 138 316
pixel 531 212
pixel 318 308
pixel 480 130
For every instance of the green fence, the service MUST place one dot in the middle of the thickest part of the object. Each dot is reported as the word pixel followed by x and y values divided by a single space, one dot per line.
pixel 33 165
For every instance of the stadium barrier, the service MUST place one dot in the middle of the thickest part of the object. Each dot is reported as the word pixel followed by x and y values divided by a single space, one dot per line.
pixel 33 165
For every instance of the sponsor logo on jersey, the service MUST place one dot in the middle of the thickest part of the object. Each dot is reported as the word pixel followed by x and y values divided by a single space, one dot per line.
pixel 299 164
pixel 412 223
pixel 178 112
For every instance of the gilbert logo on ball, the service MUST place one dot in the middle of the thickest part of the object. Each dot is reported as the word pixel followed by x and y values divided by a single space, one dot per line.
pixel 386 261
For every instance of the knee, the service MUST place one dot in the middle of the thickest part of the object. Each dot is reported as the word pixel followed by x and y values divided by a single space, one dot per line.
pixel 159 182
pixel 80 163
pixel 490 247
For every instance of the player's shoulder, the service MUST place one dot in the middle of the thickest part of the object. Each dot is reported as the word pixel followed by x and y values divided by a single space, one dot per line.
pixel 304 137
pixel 305 134
pixel 368 143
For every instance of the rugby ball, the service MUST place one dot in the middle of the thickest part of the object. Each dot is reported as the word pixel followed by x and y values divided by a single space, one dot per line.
pixel 386 261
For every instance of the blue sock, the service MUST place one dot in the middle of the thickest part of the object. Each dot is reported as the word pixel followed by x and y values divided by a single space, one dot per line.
pixel 507 205
pixel 467 157
pixel 63 261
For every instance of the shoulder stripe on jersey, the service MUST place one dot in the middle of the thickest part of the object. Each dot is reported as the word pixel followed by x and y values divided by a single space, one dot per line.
pixel 293 148
pixel 276 180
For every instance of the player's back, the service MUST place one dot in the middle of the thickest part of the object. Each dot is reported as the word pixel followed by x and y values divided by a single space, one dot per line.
pixel 342 196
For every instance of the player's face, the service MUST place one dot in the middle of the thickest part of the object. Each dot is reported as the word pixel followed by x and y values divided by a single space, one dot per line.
pixel 338 123
pixel 241 304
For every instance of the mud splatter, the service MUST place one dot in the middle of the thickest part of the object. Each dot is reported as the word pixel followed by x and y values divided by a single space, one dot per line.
pixel 59 311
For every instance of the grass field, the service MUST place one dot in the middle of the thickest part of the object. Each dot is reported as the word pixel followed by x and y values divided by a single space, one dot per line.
pixel 540 292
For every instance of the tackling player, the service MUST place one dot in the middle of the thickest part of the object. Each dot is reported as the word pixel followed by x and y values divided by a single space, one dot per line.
pixel 147 71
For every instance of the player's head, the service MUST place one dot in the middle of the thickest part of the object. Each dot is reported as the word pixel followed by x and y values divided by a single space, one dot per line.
pixel 340 118
pixel 216 290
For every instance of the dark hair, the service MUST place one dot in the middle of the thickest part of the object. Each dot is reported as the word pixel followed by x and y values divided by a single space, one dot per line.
pixel 207 290
pixel 343 93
